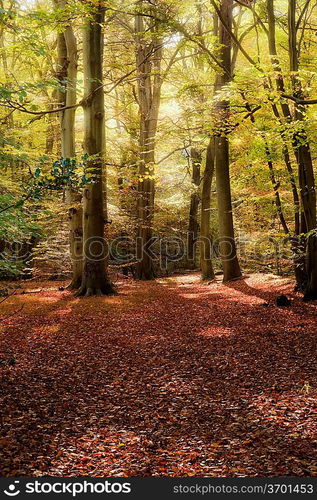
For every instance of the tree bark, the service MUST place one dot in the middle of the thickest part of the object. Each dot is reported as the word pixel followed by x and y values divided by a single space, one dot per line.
pixel 67 74
pixel 148 60
pixel 305 164
pixel 207 272
pixel 275 185
pixel 193 226
pixel 299 224
pixel 95 279
pixel 74 197
pixel 231 267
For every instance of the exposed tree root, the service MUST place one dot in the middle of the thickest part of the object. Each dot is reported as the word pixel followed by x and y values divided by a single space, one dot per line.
pixel 237 278
pixel 107 289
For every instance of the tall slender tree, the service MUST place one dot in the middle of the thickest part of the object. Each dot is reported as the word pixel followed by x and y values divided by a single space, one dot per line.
pixel 149 51
pixel 304 161
pixel 67 74
pixel 284 116
pixel 207 271
pixel 231 267
pixel 193 225
pixel 95 280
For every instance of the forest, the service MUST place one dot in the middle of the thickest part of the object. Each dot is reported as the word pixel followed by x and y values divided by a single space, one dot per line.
pixel 158 238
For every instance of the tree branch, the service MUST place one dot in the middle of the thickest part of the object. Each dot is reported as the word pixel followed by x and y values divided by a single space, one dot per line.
pixel 301 102
pixel 234 38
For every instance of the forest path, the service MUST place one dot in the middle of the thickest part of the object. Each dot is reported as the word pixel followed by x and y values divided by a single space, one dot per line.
pixel 172 377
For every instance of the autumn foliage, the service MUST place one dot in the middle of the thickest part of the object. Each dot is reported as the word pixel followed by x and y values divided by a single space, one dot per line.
pixel 172 377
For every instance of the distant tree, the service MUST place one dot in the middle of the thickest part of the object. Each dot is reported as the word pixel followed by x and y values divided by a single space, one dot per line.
pixel 193 225
pixel 207 271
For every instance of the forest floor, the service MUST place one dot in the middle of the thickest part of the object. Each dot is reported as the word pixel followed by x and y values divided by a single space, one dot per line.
pixel 168 378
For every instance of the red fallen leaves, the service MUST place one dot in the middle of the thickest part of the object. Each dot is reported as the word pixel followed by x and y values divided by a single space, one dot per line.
pixel 173 377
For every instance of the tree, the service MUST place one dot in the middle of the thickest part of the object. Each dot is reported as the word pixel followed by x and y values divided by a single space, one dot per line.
pixel 149 49
pixel 304 161
pixel 286 115
pixel 193 226
pixel 207 271
pixel 67 75
pixel 95 280
pixel 231 268
pixel 176 75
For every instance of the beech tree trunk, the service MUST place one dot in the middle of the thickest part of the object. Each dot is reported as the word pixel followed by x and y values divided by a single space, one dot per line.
pixel 207 272
pixel 148 60
pixel 206 244
pixel 305 164
pixel 193 226
pixel 297 244
pixel 230 263
pixel 74 197
pixel 95 279
pixel 286 112
pixel 67 74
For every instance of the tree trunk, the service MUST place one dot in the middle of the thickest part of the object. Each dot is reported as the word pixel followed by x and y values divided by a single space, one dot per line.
pixel 231 267
pixel 207 272
pixel 67 74
pixel 193 225
pixel 286 112
pixel 276 186
pixel 95 280
pixel 305 164
pixel 297 243
pixel 74 197
pixel 50 133
pixel 148 60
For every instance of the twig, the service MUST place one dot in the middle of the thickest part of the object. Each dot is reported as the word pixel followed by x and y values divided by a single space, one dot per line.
pixel 8 296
